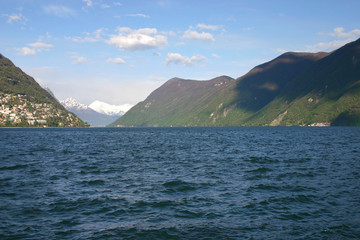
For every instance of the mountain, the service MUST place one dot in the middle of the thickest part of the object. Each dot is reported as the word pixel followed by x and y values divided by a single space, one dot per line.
pixel 108 109
pixel 177 102
pixel 97 113
pixel 25 103
pixel 71 103
pixel 294 89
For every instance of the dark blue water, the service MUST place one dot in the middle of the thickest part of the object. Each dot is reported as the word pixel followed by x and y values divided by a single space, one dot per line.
pixel 180 183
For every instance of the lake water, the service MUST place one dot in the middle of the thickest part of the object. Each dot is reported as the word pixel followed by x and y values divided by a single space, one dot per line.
pixel 180 183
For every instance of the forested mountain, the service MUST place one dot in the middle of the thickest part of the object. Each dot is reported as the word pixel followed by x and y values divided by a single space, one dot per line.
pixel 294 89
pixel 23 102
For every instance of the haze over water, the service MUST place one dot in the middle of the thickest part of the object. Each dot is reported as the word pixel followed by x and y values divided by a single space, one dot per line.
pixel 180 183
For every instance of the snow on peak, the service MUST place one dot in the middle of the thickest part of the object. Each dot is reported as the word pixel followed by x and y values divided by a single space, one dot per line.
pixel 108 109
pixel 71 103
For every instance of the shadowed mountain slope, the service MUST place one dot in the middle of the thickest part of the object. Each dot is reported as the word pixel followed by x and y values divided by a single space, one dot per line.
pixel 293 89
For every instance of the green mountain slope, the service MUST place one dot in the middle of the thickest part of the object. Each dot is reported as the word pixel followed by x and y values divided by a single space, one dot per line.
pixel 24 102
pixel 178 102
pixel 293 89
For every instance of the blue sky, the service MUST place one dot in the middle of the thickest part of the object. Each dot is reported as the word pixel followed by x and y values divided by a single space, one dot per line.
pixel 119 51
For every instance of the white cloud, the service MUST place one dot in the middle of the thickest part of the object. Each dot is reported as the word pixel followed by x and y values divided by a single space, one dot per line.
pixel 88 3
pixel 105 6
pixel 90 37
pixel 180 44
pixel 16 18
pixel 339 32
pixel 194 35
pixel 36 47
pixel 117 4
pixel 27 51
pixel 138 15
pixel 248 29
pixel 59 11
pixel 157 78
pixel 137 39
pixel 208 27
pixel 215 55
pixel 177 58
pixel 116 60
pixel 281 50
pixel 40 45
pixel 327 46
pixel 79 60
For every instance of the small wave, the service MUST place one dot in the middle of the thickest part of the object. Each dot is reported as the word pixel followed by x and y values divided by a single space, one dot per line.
pixel 156 204
pixel 188 214
pixel 262 160
pixel 264 187
pixel 260 170
pixel 15 167
pixel 179 186
pixel 94 182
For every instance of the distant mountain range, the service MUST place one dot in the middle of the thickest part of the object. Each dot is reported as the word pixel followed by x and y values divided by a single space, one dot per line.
pixel 294 89
pixel 97 113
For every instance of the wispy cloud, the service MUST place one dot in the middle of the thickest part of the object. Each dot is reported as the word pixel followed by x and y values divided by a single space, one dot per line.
pixel 26 51
pixel 105 6
pixel 96 36
pixel 138 15
pixel 19 18
pixel 79 60
pixel 59 11
pixel 340 33
pixel 117 60
pixel 89 3
pixel 327 46
pixel 194 35
pixel 36 47
pixel 343 38
pixel 177 58
pixel 129 39
pixel 40 45
pixel 208 27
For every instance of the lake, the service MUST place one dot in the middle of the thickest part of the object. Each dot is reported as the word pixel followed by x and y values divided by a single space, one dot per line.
pixel 180 183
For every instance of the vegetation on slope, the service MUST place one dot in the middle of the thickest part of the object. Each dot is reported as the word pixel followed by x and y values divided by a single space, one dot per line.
pixel 291 90
pixel 25 93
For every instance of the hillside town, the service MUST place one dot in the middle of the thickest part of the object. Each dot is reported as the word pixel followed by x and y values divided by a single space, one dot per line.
pixel 18 110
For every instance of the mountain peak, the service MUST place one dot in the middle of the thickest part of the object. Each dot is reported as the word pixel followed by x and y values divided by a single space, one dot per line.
pixel 109 109
pixel 72 103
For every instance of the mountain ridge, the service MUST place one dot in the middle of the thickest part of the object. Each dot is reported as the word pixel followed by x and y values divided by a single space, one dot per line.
pixel 290 90
pixel 94 114
pixel 24 103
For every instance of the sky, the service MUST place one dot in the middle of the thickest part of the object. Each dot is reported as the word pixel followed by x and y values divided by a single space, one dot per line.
pixel 119 51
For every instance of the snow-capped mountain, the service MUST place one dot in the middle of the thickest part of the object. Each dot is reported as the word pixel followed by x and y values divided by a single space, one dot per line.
pixel 73 104
pixel 97 113
pixel 108 109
